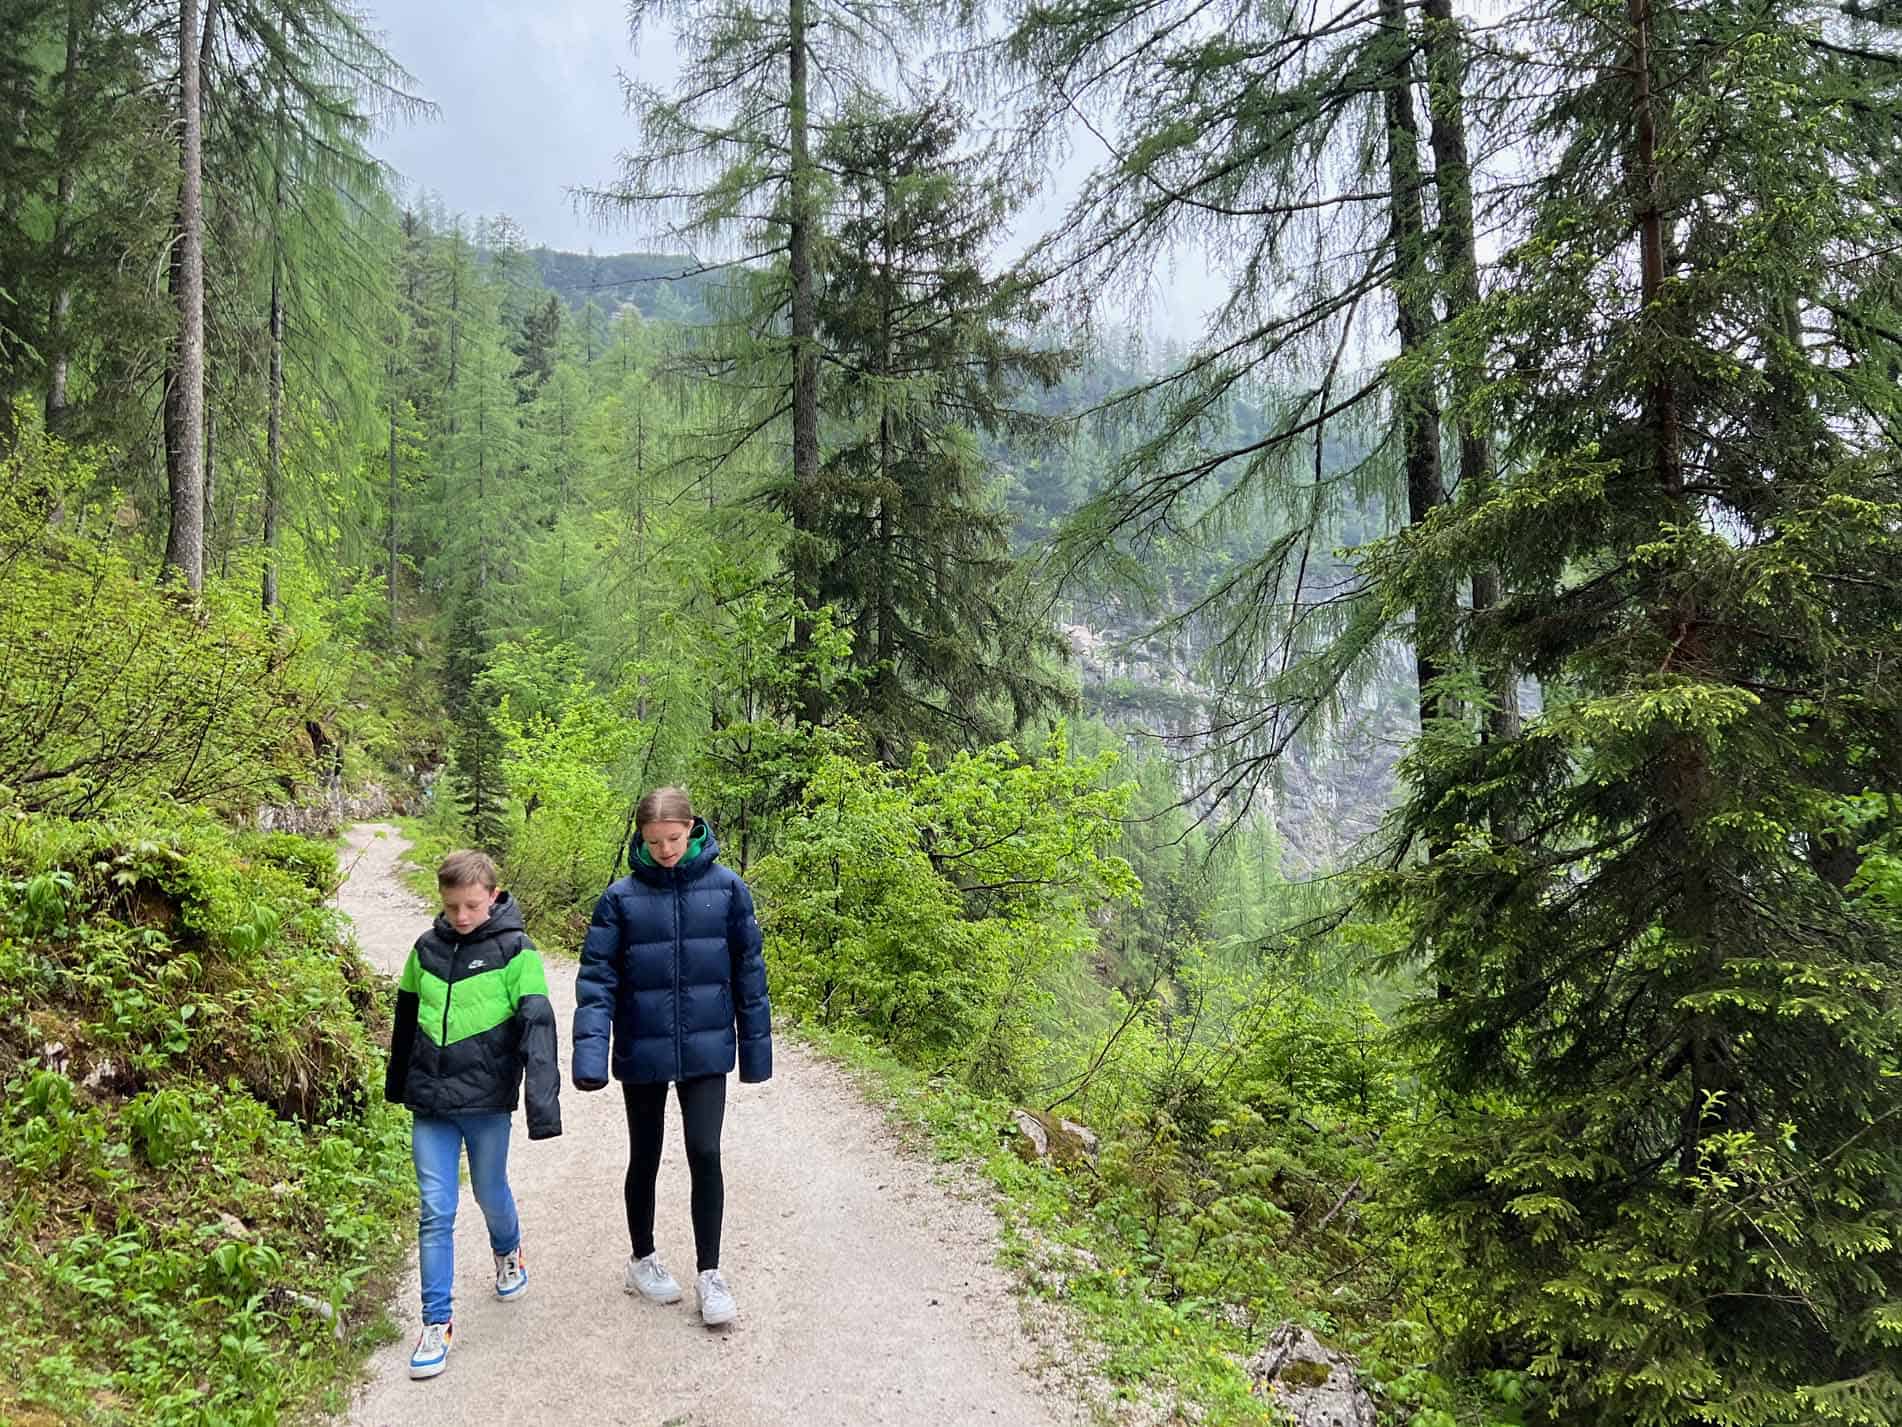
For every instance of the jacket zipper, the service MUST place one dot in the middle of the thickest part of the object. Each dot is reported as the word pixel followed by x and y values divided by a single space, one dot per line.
pixel 680 1059
pixel 448 990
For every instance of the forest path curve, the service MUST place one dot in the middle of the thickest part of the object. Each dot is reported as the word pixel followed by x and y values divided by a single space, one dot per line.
pixel 866 1279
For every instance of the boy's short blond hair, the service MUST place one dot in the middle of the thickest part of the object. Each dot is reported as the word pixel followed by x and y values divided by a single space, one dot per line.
pixel 466 868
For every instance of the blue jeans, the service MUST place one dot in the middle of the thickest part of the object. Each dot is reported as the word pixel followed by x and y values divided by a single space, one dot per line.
pixel 436 1145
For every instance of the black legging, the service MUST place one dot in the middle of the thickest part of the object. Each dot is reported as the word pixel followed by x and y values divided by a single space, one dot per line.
pixel 702 1110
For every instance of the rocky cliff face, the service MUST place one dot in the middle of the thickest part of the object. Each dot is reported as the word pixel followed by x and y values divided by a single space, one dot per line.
pixel 1327 794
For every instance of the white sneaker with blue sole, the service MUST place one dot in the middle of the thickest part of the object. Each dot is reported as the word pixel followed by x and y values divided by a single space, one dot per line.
pixel 431 1354
pixel 511 1274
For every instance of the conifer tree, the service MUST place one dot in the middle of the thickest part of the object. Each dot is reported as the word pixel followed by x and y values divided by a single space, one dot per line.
pixel 731 156
pixel 1664 1038
pixel 931 359
pixel 481 787
pixel 1288 146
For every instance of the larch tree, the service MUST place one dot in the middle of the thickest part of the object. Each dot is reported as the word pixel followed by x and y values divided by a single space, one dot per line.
pixel 1286 145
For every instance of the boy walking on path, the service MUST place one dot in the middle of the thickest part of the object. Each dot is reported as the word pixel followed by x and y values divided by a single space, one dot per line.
pixel 472 1015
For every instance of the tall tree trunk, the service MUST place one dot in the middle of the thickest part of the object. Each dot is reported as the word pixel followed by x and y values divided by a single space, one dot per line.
pixel 274 421
pixel 482 480
pixel 390 577
pixel 1661 417
pixel 1707 1097
pixel 561 513
pixel 805 355
pixel 211 481
pixel 1419 406
pixel 209 34
pixel 185 388
pixel 640 547
pixel 60 304
pixel 1459 266
pixel 886 635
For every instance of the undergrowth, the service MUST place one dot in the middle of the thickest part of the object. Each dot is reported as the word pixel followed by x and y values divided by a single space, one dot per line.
pixel 197 1178
pixel 1179 1245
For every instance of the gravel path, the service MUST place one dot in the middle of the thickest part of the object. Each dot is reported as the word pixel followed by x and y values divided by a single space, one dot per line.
pixel 866 1279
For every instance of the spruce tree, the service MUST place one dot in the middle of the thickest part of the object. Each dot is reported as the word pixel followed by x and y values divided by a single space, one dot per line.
pixel 1665 1172
pixel 931 360
pixel 730 155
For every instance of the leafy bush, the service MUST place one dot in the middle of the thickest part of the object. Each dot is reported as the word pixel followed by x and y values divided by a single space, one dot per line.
pixel 112 688
pixel 927 904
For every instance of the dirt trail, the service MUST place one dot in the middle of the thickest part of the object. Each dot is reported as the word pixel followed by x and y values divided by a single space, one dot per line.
pixel 866 1279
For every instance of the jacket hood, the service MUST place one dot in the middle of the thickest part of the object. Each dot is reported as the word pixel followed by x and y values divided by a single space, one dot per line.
pixel 702 848
pixel 504 916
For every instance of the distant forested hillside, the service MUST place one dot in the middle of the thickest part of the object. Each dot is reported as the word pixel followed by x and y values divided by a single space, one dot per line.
pixel 653 282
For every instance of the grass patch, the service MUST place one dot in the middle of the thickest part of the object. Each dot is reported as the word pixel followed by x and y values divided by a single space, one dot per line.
pixel 430 842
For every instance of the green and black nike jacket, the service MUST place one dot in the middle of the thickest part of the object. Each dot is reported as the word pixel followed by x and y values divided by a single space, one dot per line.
pixel 472 1015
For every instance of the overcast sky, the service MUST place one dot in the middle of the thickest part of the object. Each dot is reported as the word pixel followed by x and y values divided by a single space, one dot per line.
pixel 530 108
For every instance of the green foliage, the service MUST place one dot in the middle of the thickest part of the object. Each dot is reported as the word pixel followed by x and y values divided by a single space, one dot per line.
pixel 926 904
pixel 311 863
pixel 571 757
pixel 115 689
pixel 1179 1246
pixel 758 752
pixel 195 1174
pixel 925 366
pixel 1663 1041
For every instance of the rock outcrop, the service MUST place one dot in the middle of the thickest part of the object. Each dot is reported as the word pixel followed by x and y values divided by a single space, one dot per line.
pixel 1315 1385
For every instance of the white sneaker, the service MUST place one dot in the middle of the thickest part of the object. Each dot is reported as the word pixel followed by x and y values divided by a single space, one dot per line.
pixel 431 1354
pixel 511 1274
pixel 716 1299
pixel 649 1278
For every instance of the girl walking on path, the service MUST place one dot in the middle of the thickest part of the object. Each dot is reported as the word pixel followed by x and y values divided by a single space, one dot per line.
pixel 672 981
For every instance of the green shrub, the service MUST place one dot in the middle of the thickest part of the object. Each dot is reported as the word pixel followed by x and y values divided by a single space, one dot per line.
pixel 926 905
pixel 312 863
pixel 117 688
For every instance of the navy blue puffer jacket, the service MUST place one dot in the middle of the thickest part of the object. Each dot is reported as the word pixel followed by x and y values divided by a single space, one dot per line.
pixel 671 966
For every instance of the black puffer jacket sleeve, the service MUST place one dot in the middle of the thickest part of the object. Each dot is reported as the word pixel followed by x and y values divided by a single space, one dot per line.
pixel 541 1056
pixel 403 1034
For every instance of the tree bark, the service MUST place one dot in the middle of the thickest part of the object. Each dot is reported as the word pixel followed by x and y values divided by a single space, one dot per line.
pixel 1661 415
pixel 805 375
pixel 185 389
pixel 274 427
pixel 390 578
pixel 211 481
pixel 60 304
pixel 1419 406
pixel 1459 265
pixel 886 648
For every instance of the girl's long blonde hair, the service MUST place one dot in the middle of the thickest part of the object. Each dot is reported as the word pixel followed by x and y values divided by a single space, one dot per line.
pixel 664 805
